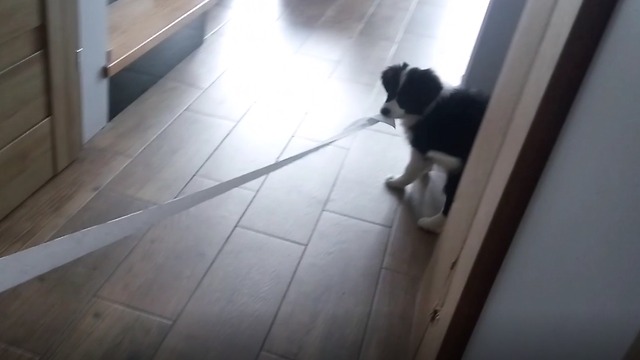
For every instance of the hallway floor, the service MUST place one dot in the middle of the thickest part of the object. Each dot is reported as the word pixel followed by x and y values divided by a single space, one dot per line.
pixel 316 261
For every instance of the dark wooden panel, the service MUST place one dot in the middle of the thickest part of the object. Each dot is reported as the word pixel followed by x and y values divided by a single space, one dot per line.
pixel 24 102
pixel 33 314
pixel 389 329
pixel 107 331
pixel 230 313
pixel 21 47
pixel 325 311
pixel 18 16
pixel 27 163
pixel 164 269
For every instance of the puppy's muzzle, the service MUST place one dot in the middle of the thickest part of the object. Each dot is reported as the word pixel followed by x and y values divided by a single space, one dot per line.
pixel 385 111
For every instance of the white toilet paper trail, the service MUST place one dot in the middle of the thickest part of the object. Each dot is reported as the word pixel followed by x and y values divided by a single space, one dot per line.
pixel 25 265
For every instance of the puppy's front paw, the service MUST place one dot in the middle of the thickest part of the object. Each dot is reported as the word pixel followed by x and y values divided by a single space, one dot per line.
pixel 433 224
pixel 395 183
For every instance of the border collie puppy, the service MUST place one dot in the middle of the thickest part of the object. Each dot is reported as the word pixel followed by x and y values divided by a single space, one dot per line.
pixel 441 126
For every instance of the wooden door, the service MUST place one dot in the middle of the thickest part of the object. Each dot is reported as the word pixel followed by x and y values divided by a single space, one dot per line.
pixel 548 58
pixel 40 131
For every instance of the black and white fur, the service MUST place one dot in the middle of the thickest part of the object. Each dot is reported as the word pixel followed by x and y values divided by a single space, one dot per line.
pixel 441 125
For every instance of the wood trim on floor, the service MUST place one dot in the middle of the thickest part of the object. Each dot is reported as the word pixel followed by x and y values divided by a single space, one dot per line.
pixel 64 80
pixel 571 37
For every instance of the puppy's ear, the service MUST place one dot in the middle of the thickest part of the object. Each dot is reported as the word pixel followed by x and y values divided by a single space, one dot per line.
pixel 419 90
pixel 389 71
pixel 391 76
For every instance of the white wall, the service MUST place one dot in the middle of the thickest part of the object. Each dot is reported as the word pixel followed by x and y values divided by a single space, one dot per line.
pixel 500 23
pixel 92 25
pixel 570 285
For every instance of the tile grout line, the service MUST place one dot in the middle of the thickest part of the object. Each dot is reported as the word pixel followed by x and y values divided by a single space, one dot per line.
pixel 201 91
pixel 359 219
pixel 204 275
pixel 195 174
pixel 225 22
pixel 304 251
pixel 134 309
pixel 402 273
pixel 274 355
pixel 370 311
pixel 142 235
pixel 357 32
pixel 85 307
pixel 235 227
pixel 206 272
pixel 375 295
pixel 216 117
pixel 53 231
pixel 269 235
pixel 402 30
pixel 253 103
pixel 370 314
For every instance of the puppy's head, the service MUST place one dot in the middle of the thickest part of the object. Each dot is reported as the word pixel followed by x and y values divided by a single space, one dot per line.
pixel 410 91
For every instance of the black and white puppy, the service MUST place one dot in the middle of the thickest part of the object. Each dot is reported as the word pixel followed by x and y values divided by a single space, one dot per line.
pixel 441 126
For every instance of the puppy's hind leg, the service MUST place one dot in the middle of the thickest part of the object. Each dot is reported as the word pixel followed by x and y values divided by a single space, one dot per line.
pixel 436 223
pixel 415 168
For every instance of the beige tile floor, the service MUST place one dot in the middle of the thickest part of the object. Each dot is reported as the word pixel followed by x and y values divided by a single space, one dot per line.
pixel 316 261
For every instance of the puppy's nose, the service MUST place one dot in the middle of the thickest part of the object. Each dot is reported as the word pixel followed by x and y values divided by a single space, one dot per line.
pixel 385 111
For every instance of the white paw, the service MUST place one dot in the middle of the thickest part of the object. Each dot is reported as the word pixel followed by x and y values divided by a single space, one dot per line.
pixel 433 224
pixel 395 182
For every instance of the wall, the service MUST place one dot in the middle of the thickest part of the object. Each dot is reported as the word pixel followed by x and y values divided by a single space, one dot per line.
pixel 92 25
pixel 493 42
pixel 570 287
